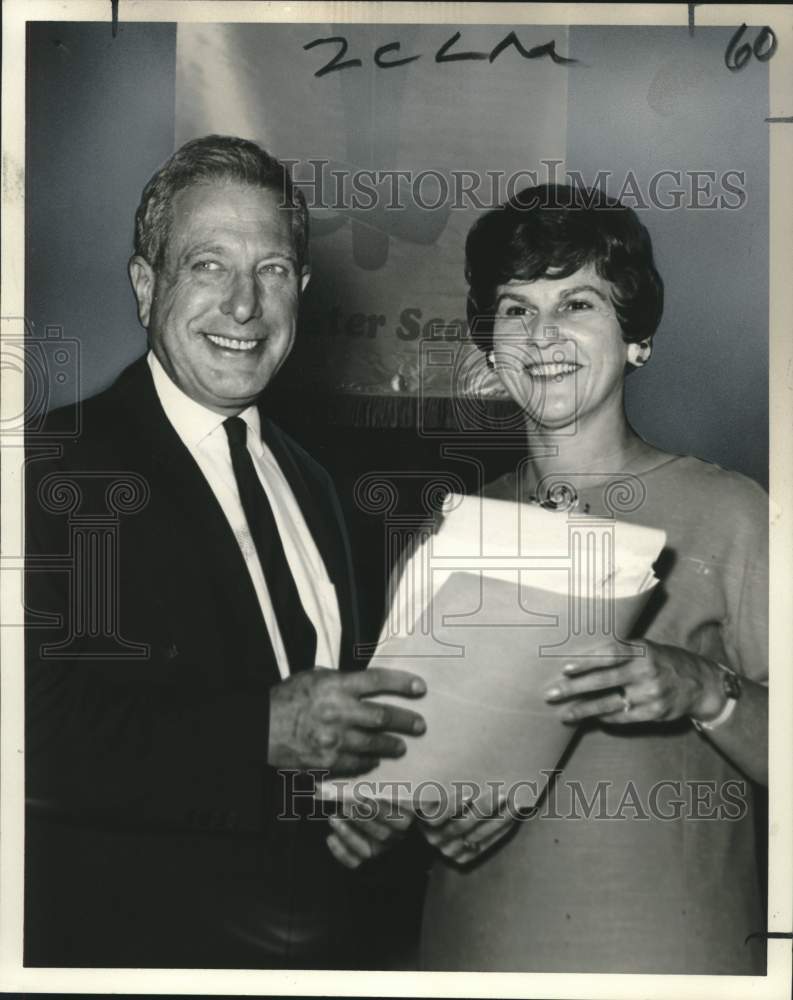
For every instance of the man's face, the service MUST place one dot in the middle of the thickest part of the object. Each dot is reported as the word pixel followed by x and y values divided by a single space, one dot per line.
pixel 222 311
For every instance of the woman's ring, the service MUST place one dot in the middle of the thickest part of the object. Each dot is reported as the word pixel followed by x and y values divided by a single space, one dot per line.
pixel 626 702
pixel 471 845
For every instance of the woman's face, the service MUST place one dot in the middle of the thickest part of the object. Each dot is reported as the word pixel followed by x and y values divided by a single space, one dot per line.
pixel 558 348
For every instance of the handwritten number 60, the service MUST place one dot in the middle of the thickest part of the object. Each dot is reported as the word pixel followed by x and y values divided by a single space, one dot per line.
pixel 737 56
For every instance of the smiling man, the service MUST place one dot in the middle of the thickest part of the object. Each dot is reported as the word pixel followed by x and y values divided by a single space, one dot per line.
pixel 221 305
pixel 160 828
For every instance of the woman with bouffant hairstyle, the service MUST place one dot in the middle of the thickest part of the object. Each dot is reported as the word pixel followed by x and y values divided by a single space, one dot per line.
pixel 641 857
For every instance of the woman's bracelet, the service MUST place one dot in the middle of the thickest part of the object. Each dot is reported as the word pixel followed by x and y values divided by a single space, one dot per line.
pixel 731 685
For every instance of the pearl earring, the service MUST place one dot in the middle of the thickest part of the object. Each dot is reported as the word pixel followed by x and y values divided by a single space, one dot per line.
pixel 639 354
pixel 491 360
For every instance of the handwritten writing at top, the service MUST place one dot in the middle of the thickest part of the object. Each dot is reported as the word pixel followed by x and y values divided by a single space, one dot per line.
pixel 389 56
pixel 736 57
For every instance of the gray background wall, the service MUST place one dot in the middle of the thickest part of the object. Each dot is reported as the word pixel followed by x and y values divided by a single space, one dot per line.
pixel 101 118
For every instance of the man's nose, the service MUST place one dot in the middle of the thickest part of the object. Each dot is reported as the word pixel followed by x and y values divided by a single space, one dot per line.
pixel 243 298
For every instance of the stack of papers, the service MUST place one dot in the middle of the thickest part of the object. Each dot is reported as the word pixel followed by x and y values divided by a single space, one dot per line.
pixel 487 610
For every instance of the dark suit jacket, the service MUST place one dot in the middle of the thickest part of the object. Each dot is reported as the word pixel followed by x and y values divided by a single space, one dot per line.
pixel 152 837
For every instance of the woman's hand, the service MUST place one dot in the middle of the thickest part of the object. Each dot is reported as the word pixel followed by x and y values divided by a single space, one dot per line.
pixel 666 683
pixel 463 837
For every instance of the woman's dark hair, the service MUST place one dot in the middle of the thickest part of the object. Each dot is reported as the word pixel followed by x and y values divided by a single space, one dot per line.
pixel 562 229
pixel 213 158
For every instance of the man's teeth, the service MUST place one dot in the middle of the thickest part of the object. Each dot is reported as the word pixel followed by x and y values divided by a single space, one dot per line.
pixel 551 369
pixel 233 344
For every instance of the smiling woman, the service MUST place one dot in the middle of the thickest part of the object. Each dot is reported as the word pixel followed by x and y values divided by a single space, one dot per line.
pixel 559 349
pixel 564 300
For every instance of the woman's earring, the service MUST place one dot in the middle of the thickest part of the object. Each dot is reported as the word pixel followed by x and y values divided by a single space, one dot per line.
pixel 491 360
pixel 639 354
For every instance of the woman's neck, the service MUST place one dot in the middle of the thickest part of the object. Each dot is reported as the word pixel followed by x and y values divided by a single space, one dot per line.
pixel 593 449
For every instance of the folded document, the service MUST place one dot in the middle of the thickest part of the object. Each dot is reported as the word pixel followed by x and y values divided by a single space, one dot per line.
pixel 487 610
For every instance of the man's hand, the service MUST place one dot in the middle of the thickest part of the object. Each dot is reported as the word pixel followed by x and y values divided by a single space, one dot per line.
pixel 464 836
pixel 353 839
pixel 319 719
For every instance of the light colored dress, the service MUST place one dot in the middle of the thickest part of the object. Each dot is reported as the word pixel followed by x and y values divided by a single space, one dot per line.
pixel 637 893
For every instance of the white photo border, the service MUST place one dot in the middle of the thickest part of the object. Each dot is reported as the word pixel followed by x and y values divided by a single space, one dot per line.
pixel 777 982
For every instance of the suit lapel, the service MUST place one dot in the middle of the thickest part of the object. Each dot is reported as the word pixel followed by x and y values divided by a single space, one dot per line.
pixel 152 444
pixel 155 444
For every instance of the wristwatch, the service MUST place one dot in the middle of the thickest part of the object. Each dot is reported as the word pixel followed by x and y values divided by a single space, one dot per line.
pixel 731 686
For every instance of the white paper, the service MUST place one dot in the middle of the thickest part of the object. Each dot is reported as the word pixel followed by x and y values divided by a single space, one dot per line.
pixel 487 610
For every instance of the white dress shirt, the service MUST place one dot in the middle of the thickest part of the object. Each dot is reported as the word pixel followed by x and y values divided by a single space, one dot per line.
pixel 201 431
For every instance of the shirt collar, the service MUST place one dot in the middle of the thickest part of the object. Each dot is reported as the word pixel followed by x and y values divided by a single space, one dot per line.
pixel 192 421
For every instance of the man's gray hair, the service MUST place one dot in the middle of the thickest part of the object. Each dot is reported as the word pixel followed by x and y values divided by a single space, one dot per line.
pixel 214 158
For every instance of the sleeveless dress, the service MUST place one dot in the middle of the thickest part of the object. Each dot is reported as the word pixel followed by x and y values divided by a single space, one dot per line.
pixel 642 856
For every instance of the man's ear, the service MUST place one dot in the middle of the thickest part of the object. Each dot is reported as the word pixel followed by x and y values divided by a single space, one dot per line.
pixel 305 277
pixel 142 277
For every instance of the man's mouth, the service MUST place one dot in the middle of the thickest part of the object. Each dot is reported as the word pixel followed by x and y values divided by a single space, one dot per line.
pixel 552 369
pixel 233 343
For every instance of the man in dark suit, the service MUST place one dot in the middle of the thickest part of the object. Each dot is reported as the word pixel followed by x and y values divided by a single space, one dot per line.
pixel 173 707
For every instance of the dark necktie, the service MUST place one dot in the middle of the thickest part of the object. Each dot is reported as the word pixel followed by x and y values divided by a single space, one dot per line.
pixel 297 632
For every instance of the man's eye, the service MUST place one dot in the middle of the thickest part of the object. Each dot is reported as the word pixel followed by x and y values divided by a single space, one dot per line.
pixel 271 268
pixel 206 265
